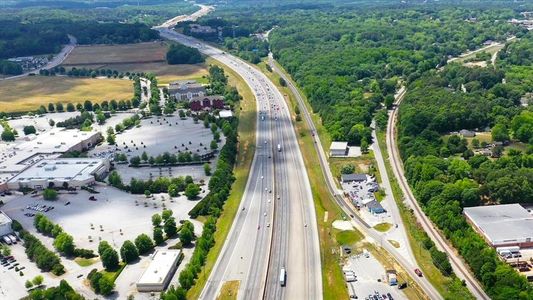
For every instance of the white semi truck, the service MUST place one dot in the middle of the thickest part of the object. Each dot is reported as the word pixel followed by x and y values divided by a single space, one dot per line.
pixel 282 277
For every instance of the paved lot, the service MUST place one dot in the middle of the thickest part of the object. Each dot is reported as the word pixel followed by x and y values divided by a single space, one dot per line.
pixel 114 217
pixel 368 270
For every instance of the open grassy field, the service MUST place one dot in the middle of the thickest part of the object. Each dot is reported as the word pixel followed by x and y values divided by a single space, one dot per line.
pixel 112 54
pixel 28 93
pixel 241 170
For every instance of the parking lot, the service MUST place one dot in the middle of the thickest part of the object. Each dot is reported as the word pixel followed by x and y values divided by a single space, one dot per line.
pixel 371 280
pixel 115 216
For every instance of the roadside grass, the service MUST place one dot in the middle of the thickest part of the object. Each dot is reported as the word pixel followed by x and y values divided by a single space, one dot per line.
pixel 348 237
pixel 333 283
pixel 241 171
pixel 112 275
pixel 30 92
pixel 84 262
pixel 229 290
pixel 383 227
pixel 448 287
pixel 394 243
pixel 363 164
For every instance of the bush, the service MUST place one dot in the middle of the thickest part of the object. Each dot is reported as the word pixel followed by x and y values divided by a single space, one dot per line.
pixel 348 169
pixel 85 253
pixel 50 194
pixel 29 130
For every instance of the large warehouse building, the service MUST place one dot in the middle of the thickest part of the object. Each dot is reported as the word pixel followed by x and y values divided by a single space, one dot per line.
pixel 502 225
pixel 58 172
pixel 160 271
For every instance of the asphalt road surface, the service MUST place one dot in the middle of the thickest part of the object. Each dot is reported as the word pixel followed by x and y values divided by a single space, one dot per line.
pixel 347 208
pixel 276 224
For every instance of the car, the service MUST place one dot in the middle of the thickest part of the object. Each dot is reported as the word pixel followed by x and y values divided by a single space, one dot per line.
pixel 418 272
pixel 402 286
pixel 92 198
pixel 243 208
pixel 268 224
pixel 68 203
pixel 390 296
pixel 10 267
pixel 265 214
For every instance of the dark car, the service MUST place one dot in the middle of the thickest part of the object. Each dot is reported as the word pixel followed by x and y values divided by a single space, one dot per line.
pixel 390 296
pixel 418 272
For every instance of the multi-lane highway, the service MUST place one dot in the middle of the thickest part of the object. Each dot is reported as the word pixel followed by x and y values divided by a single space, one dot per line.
pixel 430 291
pixel 275 226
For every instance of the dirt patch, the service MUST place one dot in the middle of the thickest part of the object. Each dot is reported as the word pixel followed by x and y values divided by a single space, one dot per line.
pixel 117 54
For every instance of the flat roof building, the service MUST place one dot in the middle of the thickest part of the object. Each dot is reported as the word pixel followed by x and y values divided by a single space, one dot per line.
pixel 5 224
pixel 353 177
pixel 76 172
pixel 161 269
pixel 338 149
pixel 502 225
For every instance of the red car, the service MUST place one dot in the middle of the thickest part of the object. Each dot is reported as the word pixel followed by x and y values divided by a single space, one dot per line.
pixel 418 272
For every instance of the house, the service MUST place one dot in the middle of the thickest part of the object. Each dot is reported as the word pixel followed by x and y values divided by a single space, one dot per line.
pixel 186 90
pixel 467 133
pixel 207 103
pixel 353 178
pixel 375 207
pixel 338 149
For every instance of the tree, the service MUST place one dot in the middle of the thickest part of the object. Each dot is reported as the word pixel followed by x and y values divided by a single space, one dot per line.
pixel 59 107
pixel 49 194
pixel 192 190
pixel 38 280
pixel 144 156
pixel 8 135
pixel 348 169
pixel 213 145
pixel 186 278
pixel 51 107
pixel 109 259
pixel 156 220
pixel 207 169
pixel 88 105
pixel 186 233
pixel 144 244
pixel 166 214
pixel 28 284
pixel 170 227
pixel 364 146
pixel 115 179
pixel 105 285
pixel 180 54
pixel 128 252
pixel 158 236
pixel 110 139
pixel 30 129
pixel 475 143
pixel 70 107
pixel 500 133
pixel 64 243
pixel 135 161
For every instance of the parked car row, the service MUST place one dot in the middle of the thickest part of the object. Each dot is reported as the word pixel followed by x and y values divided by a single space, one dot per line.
pixel 378 296
pixel 40 207
pixel 10 262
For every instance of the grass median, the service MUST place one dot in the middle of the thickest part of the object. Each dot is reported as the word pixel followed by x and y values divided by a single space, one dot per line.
pixel 247 113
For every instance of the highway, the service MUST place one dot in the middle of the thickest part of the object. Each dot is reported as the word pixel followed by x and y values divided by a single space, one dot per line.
pixel 369 232
pixel 275 226
pixel 458 265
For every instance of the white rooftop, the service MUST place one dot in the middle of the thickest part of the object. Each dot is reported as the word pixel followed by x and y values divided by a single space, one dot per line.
pixel 17 156
pixel 338 146
pixel 225 113
pixel 161 265
pixel 60 169
pixel 502 223
pixel 4 218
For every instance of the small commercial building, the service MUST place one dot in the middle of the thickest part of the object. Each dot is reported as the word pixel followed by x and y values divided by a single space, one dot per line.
pixel 503 225
pixel 338 149
pixel 160 271
pixel 5 224
pixel 206 103
pixel 375 207
pixel 345 178
pixel 60 172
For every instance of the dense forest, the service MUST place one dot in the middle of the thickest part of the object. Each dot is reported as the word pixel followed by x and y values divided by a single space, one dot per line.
pixel 442 168
pixel 348 62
